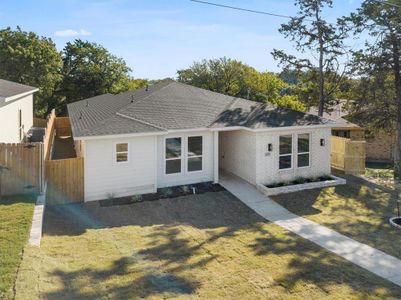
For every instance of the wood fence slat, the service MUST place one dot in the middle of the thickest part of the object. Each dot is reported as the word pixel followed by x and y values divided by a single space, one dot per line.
pixel 65 180
pixel 22 174
pixel 348 155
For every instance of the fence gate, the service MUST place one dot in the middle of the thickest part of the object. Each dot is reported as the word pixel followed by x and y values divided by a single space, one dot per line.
pixel 348 155
pixel 20 168
pixel 65 180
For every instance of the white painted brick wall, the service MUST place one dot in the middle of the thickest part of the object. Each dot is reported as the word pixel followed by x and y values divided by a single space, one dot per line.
pixel 237 153
pixel 267 163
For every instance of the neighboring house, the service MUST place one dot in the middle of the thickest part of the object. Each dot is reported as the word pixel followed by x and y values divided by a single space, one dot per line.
pixel 174 134
pixel 379 143
pixel 16 111
pixel 380 146
pixel 343 128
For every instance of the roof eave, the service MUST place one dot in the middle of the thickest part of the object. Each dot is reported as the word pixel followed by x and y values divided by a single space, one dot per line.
pixel 17 96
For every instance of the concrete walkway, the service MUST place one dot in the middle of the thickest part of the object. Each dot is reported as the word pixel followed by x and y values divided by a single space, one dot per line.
pixel 371 259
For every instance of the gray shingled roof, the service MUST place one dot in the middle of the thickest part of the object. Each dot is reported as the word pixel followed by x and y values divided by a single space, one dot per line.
pixel 9 88
pixel 171 105
pixel 337 114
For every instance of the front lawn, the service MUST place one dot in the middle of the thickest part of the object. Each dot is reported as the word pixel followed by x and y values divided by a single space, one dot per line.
pixel 208 246
pixel 382 174
pixel 15 222
pixel 359 209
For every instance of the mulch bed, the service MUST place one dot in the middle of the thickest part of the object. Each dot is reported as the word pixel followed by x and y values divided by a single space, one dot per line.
pixel 299 181
pixel 165 193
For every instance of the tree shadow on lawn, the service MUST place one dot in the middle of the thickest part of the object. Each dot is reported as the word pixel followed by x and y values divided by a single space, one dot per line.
pixel 159 268
pixel 121 281
pixel 210 210
pixel 357 196
pixel 316 265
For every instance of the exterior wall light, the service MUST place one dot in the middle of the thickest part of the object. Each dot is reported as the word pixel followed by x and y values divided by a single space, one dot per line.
pixel 270 147
pixel 322 142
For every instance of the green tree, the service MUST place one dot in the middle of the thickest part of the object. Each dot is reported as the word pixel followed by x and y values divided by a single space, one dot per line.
pixel 234 78
pixel 90 70
pixel 29 59
pixel 310 32
pixel 382 54
pixel 135 84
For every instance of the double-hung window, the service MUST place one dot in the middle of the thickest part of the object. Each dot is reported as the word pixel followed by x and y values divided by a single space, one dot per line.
pixel 121 152
pixel 285 152
pixel 303 150
pixel 173 154
pixel 195 153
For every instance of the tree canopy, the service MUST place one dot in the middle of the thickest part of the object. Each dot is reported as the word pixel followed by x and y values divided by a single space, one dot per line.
pixel 89 70
pixel 30 59
pixel 234 78
pixel 379 62
pixel 311 33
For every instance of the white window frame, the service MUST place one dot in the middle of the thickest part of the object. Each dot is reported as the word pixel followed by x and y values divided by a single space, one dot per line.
pixel 309 152
pixel 187 157
pixel 287 154
pixel 165 159
pixel 117 152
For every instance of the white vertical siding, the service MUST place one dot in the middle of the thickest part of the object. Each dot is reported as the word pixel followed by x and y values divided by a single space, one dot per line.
pixel 238 153
pixel 267 163
pixel 207 174
pixel 9 129
pixel 104 177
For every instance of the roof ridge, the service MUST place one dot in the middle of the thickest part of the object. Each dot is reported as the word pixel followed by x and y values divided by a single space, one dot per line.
pixel 140 121
pixel 150 93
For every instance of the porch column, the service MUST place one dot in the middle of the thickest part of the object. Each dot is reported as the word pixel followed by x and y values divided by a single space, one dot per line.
pixel 216 156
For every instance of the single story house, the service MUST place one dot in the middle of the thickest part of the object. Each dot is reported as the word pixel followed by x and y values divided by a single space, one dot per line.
pixel 16 111
pixel 175 134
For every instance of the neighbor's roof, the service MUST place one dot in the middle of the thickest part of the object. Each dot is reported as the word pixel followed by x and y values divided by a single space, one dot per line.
pixel 170 105
pixel 337 113
pixel 10 89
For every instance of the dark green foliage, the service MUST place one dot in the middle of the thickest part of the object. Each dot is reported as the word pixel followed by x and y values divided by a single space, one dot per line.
pixel 90 70
pixel 30 59
pixel 234 78
pixel 379 66
pixel 311 33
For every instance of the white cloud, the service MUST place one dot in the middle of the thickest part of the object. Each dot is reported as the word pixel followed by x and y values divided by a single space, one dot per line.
pixel 72 33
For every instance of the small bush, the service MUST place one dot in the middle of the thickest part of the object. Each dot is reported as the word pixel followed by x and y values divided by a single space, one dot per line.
pixel 186 189
pixel 300 180
pixel 137 198
pixel 166 192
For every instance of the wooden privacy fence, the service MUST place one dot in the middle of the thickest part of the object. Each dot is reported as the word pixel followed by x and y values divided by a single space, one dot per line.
pixel 63 126
pixel 37 122
pixel 21 168
pixel 48 139
pixel 348 155
pixel 65 180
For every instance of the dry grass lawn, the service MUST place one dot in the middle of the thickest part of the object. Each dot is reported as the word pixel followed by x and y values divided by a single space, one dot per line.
pixel 15 222
pixel 206 246
pixel 359 209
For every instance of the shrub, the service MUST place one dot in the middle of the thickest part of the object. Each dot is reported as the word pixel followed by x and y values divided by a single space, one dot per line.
pixel 166 192
pixel 185 189
pixel 300 180
pixel 136 198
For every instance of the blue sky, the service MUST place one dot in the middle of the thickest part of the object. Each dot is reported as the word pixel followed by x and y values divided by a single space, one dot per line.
pixel 158 37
